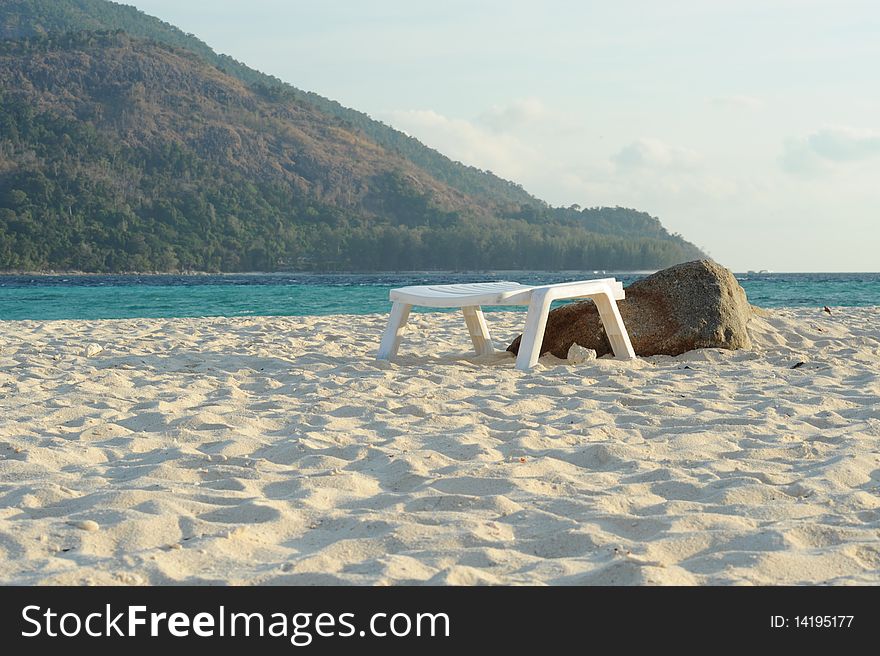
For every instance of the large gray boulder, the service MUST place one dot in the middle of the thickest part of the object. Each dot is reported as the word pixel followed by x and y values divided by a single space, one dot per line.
pixel 689 306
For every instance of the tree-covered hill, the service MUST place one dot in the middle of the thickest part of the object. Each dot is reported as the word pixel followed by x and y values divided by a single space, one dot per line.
pixel 122 153
pixel 26 18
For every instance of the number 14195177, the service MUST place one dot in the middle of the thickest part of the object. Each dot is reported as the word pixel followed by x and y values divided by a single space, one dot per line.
pixel 823 621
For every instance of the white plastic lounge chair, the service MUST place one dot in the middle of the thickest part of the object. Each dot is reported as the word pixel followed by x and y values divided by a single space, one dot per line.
pixel 605 293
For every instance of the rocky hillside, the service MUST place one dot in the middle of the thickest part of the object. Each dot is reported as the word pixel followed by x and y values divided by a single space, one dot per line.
pixel 119 152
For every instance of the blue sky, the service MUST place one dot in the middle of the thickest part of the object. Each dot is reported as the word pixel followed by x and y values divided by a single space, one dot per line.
pixel 751 127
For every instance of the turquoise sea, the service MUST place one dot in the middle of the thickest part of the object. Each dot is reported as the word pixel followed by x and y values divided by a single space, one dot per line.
pixel 125 296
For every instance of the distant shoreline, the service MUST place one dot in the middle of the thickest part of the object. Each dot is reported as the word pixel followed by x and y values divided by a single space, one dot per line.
pixel 196 274
pixel 86 274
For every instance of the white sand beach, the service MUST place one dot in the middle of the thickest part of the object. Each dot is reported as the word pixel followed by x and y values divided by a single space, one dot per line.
pixel 277 450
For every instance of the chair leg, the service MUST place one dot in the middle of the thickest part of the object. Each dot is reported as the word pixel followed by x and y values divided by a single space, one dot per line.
pixel 614 327
pixel 533 333
pixel 394 331
pixel 479 331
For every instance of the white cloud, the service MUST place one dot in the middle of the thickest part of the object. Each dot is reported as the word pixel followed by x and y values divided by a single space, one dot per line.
pixel 739 102
pixel 500 152
pixel 515 115
pixel 519 141
pixel 844 144
pixel 646 153
pixel 820 151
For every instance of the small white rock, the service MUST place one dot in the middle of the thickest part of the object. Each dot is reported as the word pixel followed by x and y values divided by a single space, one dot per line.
pixel 85 525
pixel 93 349
pixel 577 354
